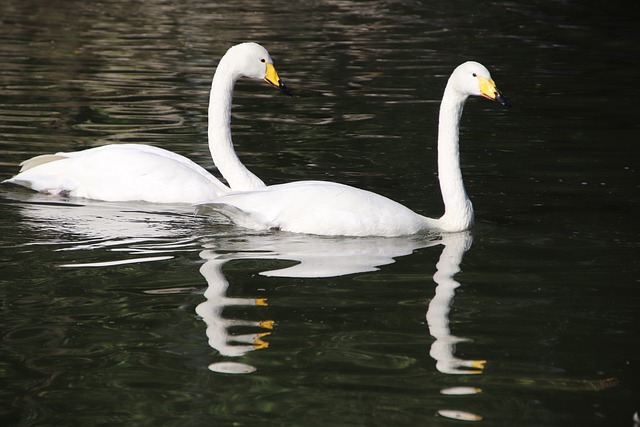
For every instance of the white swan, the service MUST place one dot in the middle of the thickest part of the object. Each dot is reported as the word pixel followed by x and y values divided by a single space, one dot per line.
pixel 128 172
pixel 328 208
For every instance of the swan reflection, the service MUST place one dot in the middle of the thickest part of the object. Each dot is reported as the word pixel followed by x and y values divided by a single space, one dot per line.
pixel 317 256
pixel 443 348
pixel 152 234
pixel 314 257
pixel 148 232
pixel 218 327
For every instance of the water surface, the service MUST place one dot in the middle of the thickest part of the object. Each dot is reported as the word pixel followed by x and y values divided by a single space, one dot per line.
pixel 139 314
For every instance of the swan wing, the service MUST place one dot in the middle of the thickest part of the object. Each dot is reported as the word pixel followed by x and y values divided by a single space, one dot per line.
pixel 40 160
pixel 124 172
pixel 318 207
pixel 140 148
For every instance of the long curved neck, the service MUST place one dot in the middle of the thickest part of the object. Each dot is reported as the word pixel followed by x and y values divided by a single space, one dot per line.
pixel 458 210
pixel 220 143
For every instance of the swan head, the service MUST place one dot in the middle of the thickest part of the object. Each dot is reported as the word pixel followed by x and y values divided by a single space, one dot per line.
pixel 472 78
pixel 253 61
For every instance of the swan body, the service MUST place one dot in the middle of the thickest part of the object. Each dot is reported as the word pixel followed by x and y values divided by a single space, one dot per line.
pixel 319 207
pixel 328 208
pixel 137 172
pixel 120 172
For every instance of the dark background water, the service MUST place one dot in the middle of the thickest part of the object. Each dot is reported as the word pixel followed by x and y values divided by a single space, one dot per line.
pixel 134 314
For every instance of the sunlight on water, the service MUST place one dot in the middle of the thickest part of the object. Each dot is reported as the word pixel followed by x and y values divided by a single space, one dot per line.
pixel 121 262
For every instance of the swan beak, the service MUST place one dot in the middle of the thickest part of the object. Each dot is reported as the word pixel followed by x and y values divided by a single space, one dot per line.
pixel 489 90
pixel 273 79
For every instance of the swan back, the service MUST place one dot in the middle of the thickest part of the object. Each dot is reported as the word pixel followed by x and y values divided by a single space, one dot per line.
pixel 40 160
pixel 318 207
pixel 120 172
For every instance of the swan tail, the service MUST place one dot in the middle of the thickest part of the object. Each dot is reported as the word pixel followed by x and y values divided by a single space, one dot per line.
pixel 40 160
pixel 237 216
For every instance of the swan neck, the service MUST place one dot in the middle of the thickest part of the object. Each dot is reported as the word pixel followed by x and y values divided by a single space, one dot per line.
pixel 219 130
pixel 458 213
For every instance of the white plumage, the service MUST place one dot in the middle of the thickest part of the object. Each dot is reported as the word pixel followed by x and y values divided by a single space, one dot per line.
pixel 328 208
pixel 136 172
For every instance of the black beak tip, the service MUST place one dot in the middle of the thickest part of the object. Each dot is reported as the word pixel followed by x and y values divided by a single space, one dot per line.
pixel 503 101
pixel 284 89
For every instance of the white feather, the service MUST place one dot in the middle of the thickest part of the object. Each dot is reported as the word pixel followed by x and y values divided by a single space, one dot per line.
pixel 128 172
pixel 327 208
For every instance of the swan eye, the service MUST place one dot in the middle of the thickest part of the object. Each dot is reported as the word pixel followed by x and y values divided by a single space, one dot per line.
pixel 262 60
pixel 475 75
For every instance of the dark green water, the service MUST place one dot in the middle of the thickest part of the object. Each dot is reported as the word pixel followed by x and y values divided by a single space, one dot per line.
pixel 137 314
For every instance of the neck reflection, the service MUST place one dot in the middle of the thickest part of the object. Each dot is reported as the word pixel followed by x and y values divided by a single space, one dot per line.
pixel 313 257
pixel 444 347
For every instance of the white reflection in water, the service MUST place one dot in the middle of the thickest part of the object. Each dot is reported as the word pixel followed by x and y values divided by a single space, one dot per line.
pixel 329 257
pixel 319 256
pixel 459 415
pixel 443 348
pixel 220 338
pixel 152 234
pixel 132 232
pixel 315 257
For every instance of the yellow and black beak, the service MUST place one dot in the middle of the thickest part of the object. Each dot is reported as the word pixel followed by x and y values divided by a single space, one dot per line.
pixel 489 90
pixel 273 79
